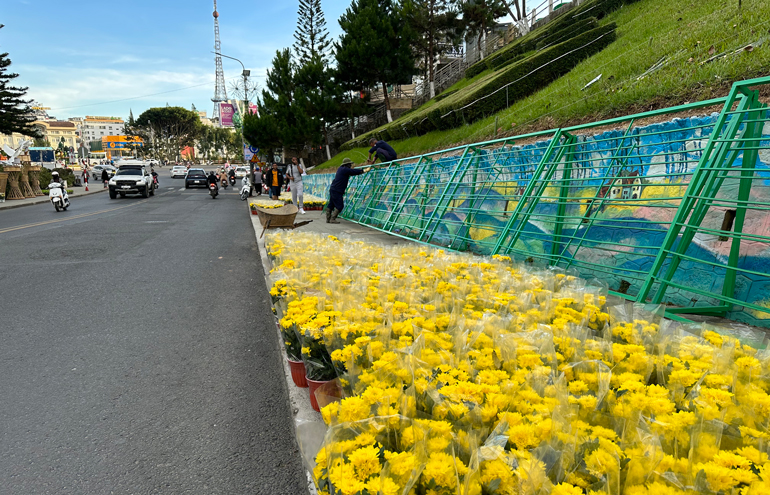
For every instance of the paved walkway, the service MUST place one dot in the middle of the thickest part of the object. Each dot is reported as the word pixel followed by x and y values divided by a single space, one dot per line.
pixel 76 191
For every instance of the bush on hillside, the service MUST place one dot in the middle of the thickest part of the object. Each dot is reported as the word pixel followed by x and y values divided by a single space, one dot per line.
pixel 443 95
pixel 529 75
pixel 568 32
pixel 537 38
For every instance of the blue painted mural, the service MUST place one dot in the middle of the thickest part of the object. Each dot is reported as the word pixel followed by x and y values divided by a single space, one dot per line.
pixel 602 208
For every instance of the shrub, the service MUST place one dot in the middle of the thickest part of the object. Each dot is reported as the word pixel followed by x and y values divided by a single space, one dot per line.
pixel 596 9
pixel 530 75
pixel 443 95
pixel 568 32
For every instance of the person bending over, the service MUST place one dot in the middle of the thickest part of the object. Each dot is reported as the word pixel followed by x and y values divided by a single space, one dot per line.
pixel 381 150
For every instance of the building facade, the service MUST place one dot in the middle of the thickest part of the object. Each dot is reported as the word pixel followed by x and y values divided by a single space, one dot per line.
pixel 95 128
pixel 58 131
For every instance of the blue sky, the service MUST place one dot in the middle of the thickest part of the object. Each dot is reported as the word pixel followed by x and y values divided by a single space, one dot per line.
pixel 80 57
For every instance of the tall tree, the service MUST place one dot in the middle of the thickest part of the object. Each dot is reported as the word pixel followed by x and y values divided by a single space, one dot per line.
pixel 168 129
pixel 280 123
pixel 15 113
pixel 479 16
pixel 438 28
pixel 376 46
pixel 312 36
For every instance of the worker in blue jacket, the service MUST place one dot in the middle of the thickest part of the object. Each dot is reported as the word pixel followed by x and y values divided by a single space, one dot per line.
pixel 381 150
pixel 336 201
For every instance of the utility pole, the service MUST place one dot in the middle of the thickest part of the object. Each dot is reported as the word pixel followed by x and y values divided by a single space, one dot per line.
pixel 246 73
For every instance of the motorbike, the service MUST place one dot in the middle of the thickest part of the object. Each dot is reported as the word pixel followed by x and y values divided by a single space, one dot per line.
pixel 155 182
pixel 232 180
pixel 213 190
pixel 245 188
pixel 223 180
pixel 58 196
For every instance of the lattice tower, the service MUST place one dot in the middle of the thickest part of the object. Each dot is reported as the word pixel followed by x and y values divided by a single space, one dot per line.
pixel 220 92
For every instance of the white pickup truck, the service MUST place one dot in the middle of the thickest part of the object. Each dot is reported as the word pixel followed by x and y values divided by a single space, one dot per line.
pixel 131 179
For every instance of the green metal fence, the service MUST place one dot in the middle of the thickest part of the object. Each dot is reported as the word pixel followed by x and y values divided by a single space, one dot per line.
pixel 675 213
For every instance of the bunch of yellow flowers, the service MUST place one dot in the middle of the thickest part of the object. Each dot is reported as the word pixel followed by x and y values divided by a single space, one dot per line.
pixel 472 375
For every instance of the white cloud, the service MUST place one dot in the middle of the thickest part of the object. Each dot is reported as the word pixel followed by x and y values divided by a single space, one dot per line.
pixel 73 91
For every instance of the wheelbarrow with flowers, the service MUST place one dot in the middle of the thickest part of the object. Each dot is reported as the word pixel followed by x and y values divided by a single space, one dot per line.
pixel 279 218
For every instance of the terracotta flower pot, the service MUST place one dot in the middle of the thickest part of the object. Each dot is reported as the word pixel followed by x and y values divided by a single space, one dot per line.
pixel 314 385
pixel 298 373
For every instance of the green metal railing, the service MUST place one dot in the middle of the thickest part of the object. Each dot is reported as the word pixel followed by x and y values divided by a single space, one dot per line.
pixel 676 213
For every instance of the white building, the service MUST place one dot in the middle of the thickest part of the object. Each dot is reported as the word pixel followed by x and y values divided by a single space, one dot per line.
pixel 95 128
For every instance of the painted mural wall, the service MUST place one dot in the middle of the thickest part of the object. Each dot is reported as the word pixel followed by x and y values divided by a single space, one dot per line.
pixel 603 209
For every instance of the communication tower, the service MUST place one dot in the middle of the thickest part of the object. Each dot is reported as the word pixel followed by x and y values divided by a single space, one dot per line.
pixel 220 92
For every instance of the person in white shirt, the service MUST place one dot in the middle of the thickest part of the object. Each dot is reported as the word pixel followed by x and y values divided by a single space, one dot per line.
pixel 294 173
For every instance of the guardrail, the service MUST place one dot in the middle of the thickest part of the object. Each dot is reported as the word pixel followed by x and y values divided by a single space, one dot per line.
pixel 676 214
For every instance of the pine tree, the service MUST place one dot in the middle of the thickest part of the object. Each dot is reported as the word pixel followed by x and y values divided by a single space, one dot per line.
pixel 479 16
pixel 439 27
pixel 376 46
pixel 312 37
pixel 15 113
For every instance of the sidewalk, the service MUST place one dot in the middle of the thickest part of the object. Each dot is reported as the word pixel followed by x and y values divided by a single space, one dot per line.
pixel 309 423
pixel 76 192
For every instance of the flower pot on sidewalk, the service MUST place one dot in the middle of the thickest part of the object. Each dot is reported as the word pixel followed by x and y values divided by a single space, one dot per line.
pixel 315 385
pixel 298 373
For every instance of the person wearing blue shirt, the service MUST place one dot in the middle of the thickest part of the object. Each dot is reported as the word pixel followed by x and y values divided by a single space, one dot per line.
pixel 336 201
pixel 381 150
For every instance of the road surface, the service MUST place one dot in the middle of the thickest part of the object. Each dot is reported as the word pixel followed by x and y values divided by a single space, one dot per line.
pixel 139 353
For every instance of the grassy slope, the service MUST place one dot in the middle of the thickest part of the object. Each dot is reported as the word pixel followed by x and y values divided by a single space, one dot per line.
pixel 647 31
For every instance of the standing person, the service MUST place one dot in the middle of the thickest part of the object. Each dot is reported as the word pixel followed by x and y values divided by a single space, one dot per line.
pixel 85 175
pixel 336 201
pixel 294 174
pixel 381 150
pixel 257 182
pixel 275 181
pixel 105 177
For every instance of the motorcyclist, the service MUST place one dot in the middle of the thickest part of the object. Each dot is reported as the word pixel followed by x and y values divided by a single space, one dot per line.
pixel 223 178
pixel 231 175
pixel 155 179
pixel 57 182
pixel 212 179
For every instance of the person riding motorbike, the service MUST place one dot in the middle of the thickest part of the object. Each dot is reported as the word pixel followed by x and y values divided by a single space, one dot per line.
pixel 231 175
pixel 223 178
pixel 57 182
pixel 212 179
pixel 155 179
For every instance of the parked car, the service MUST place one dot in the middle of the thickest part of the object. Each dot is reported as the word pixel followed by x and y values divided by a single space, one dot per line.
pixel 96 171
pixel 131 179
pixel 195 177
pixel 178 171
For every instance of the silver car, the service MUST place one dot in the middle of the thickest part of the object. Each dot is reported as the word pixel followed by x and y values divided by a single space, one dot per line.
pixel 178 171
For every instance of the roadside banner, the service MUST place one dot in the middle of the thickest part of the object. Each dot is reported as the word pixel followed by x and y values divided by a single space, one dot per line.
pixel 226 112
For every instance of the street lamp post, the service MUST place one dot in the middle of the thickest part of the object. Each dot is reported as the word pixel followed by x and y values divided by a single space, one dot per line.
pixel 246 73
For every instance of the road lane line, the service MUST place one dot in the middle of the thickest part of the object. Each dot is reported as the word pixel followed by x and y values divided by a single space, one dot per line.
pixel 39 224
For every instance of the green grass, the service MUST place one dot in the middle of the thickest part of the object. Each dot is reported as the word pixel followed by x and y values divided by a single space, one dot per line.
pixel 648 30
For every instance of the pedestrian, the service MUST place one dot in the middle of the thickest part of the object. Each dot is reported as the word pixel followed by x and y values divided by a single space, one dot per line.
pixel 257 179
pixel 275 180
pixel 336 202
pixel 105 177
pixel 381 150
pixel 85 175
pixel 294 173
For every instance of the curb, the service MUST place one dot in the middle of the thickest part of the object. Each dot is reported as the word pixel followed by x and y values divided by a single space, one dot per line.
pixel 43 199
pixel 298 398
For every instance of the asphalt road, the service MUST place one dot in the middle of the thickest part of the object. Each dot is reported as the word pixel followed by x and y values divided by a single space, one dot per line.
pixel 138 353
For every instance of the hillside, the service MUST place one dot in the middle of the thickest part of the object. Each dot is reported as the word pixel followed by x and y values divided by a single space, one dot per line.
pixel 664 53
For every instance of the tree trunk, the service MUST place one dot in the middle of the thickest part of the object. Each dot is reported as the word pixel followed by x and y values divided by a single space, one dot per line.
pixel 510 12
pixel 387 101
pixel 431 54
